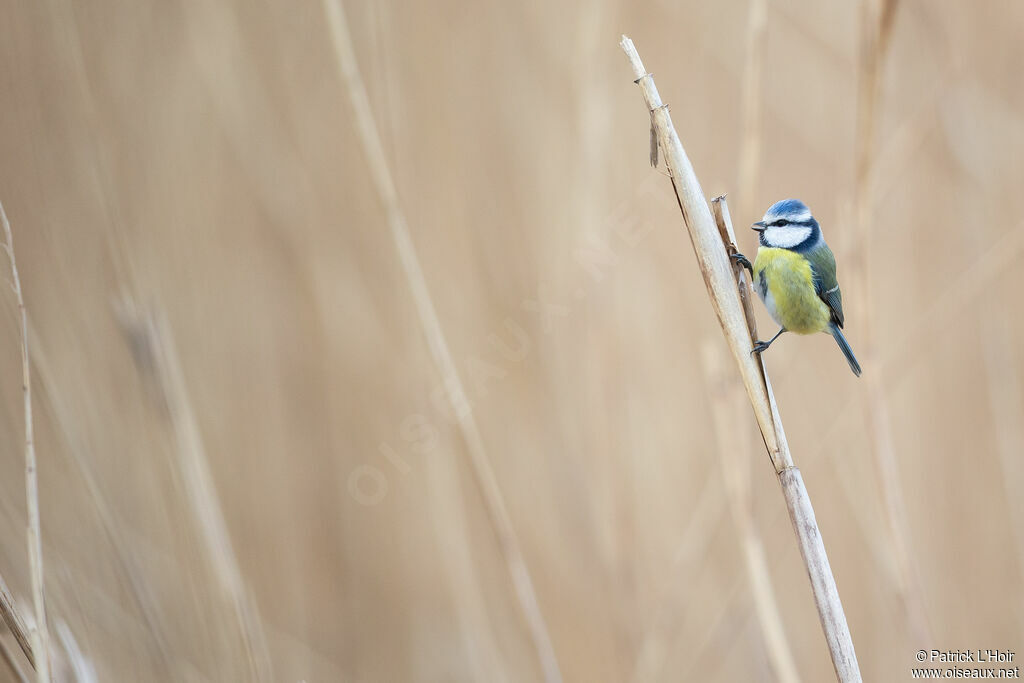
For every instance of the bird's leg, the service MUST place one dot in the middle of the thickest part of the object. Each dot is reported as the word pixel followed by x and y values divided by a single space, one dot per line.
pixel 763 346
pixel 743 261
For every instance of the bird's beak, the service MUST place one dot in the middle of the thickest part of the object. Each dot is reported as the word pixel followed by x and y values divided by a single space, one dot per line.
pixel 759 226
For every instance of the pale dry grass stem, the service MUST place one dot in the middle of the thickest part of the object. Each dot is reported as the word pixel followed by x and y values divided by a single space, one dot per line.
pixel 40 634
pixel 490 491
pixel 150 336
pixel 654 645
pixel 1006 397
pixel 15 622
pixel 8 655
pixel 877 17
pixel 727 411
pixel 750 138
pixel 720 276
pixel 948 304
pixel 123 553
pixel 898 360
pixel 80 669
pixel 737 470
pixel 186 155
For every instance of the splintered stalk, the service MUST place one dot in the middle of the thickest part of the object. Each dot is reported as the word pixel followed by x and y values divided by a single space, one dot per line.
pixel 721 281
pixel 39 635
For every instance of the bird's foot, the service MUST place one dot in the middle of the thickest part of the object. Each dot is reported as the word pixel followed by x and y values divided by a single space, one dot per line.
pixel 762 346
pixel 743 261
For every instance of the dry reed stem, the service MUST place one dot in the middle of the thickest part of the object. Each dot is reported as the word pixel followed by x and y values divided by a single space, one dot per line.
pixel 897 360
pixel 750 140
pixel 750 149
pixel 152 335
pixel 11 661
pixel 714 264
pixel 450 521
pixel 967 286
pixel 945 306
pixel 877 18
pixel 105 188
pixel 123 553
pixel 483 472
pixel 720 279
pixel 726 403
pixel 40 634
pixel 727 412
pixel 15 622
pixel 654 644
pixel 80 667
pixel 696 538
pixel 1006 399
pixel 723 221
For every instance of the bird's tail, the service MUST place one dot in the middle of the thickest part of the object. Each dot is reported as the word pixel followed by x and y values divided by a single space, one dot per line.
pixel 837 334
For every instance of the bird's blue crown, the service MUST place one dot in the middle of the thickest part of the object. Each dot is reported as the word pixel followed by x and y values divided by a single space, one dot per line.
pixel 793 210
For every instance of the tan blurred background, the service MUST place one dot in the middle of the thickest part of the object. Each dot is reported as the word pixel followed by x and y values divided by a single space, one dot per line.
pixel 213 287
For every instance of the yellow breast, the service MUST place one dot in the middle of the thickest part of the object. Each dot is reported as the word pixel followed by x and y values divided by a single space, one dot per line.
pixel 784 281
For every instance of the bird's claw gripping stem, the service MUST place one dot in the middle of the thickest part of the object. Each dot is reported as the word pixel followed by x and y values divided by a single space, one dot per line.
pixel 743 261
pixel 761 346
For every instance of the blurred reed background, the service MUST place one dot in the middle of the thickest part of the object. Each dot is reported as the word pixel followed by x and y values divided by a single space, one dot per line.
pixel 250 467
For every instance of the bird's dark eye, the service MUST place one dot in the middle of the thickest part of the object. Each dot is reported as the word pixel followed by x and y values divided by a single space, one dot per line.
pixel 781 221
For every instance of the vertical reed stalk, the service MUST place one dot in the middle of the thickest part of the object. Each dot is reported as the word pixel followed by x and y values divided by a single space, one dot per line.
pixel 1006 401
pixel 14 620
pixel 501 521
pixel 720 279
pixel 877 18
pixel 39 634
pixel 668 618
pixel 124 555
pixel 153 335
pixel 726 412
pixel 750 141
pixel 8 656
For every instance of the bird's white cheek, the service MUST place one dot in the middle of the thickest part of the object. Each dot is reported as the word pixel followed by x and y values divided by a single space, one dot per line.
pixel 787 235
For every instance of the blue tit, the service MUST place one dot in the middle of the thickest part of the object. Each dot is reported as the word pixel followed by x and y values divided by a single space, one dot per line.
pixel 795 276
